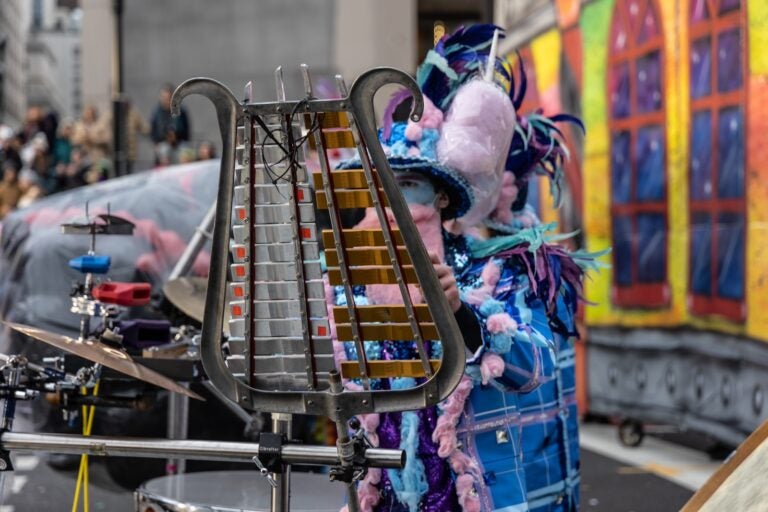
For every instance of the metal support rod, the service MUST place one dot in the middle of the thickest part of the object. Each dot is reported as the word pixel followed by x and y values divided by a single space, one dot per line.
pixel 178 428
pixel 186 449
pixel 344 444
pixel 202 235
pixel 281 493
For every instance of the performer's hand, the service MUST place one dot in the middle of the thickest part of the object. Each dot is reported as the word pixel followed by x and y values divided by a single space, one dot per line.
pixel 447 281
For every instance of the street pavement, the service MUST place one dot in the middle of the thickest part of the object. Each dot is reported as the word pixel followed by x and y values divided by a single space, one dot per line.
pixel 656 477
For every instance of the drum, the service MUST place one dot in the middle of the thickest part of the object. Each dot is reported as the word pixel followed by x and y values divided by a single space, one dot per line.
pixel 236 491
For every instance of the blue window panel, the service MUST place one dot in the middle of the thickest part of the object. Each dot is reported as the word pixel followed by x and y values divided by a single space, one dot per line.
pixel 621 168
pixel 701 68
pixel 649 95
pixel 622 250
pixel 701 155
pixel 729 5
pixel 730 256
pixel 651 248
pixel 649 152
pixel 729 54
pixel 701 254
pixel 730 143
pixel 619 88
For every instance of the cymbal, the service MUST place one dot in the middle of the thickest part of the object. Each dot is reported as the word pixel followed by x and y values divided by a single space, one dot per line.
pixel 100 353
pixel 187 294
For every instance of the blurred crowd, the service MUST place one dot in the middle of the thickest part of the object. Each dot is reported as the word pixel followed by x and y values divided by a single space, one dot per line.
pixel 47 155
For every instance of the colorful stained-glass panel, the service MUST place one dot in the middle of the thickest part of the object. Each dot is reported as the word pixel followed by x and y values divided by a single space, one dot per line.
pixel 622 249
pixel 701 68
pixel 649 152
pixel 701 253
pixel 650 26
pixel 701 155
pixel 619 35
pixel 621 168
pixel 651 248
pixel 634 9
pixel 730 144
pixel 619 88
pixel 699 10
pixel 729 5
pixel 730 256
pixel 649 82
pixel 729 60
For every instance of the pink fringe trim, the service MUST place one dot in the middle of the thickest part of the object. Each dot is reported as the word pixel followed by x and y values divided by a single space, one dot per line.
pixel 501 322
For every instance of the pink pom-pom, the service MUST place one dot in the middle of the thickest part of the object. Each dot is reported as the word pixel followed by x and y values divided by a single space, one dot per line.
pixel 491 367
pixel 471 504
pixel 461 462
pixel 431 117
pixel 491 274
pixel 500 322
pixel 413 131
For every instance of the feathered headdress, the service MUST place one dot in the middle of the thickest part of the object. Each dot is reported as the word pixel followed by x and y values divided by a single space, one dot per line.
pixel 468 102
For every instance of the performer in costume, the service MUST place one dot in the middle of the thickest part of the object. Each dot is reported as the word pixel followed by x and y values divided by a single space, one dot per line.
pixel 464 454
pixel 549 414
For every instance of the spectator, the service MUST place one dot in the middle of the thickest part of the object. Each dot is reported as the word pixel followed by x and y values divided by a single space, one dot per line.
pixel 9 188
pixel 29 188
pixel 93 135
pixel 166 129
pixel 187 155
pixel 206 150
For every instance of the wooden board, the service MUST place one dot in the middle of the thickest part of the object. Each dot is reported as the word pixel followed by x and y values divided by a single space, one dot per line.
pixel 741 483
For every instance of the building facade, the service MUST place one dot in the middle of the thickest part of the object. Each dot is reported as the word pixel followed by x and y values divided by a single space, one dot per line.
pixel 671 177
pixel 14 23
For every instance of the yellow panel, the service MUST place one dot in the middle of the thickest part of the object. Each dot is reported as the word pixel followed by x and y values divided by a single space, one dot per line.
pixel 387 369
pixel 360 238
pixel 367 256
pixel 544 49
pixel 757 10
pixel 382 313
pixel 372 275
pixel 393 332
pixel 347 199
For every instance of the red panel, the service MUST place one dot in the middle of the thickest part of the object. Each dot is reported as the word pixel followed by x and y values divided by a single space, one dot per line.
pixel 642 296
pixel 714 306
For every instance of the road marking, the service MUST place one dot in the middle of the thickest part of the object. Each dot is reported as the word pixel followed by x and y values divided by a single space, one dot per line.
pixel 25 462
pixel 683 466
pixel 19 481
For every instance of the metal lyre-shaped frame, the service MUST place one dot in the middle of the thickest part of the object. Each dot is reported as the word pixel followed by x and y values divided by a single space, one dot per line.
pixel 281 353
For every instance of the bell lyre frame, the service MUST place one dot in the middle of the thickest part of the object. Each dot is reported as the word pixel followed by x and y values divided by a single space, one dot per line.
pixel 320 393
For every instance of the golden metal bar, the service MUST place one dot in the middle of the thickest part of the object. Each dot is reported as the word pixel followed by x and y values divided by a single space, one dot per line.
pixel 346 199
pixel 387 369
pixel 383 313
pixel 372 275
pixel 335 139
pixel 347 178
pixel 366 256
pixel 357 238
pixel 392 332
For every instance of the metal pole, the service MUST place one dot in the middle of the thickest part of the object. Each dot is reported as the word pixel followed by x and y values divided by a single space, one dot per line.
pixel 344 445
pixel 186 449
pixel 201 236
pixel 178 428
pixel 281 493
pixel 119 110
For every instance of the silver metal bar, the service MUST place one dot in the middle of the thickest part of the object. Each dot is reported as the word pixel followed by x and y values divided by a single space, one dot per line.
pixel 185 449
pixel 177 428
pixel 336 227
pixel 201 236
